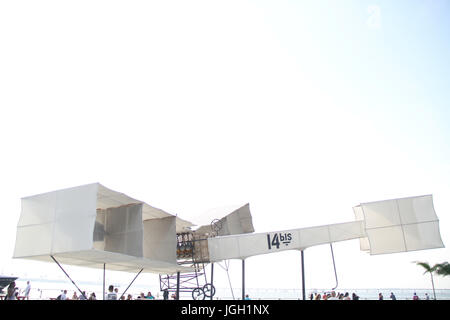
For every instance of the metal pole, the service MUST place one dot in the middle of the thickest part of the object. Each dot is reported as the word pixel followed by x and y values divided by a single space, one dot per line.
pixel 243 279
pixel 178 286
pixel 131 283
pixel 334 266
pixel 212 278
pixel 303 277
pixel 104 268
pixel 68 277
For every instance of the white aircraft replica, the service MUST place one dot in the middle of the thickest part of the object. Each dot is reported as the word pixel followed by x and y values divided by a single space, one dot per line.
pixel 93 226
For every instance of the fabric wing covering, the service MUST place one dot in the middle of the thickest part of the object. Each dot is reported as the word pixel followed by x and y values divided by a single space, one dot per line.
pixel 247 245
pixel 399 225
pixel 388 226
pixel 92 225
pixel 235 220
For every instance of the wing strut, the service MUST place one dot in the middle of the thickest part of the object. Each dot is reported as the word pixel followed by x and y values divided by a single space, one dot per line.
pixel 334 265
pixel 68 276
pixel 131 283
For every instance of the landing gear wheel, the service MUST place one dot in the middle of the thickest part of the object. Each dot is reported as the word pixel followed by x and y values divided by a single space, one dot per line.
pixel 198 294
pixel 209 290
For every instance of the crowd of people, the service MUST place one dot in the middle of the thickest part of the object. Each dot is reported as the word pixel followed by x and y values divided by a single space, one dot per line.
pixel 346 296
pixel 334 296
pixel 13 293
pixel 112 294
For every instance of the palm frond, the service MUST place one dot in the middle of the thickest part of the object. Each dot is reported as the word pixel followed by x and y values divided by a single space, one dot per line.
pixel 424 265
pixel 443 269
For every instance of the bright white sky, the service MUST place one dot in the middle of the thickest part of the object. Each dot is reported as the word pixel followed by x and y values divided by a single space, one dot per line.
pixel 301 108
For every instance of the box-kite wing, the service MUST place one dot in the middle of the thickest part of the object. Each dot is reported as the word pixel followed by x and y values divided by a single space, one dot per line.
pixel 91 225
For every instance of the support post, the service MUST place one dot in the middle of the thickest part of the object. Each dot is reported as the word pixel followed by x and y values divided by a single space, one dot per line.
pixel 131 283
pixel 178 286
pixel 243 279
pixel 303 277
pixel 212 279
pixel 68 276
pixel 104 271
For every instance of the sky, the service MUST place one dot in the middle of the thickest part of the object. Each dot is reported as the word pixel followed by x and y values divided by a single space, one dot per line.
pixel 303 109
